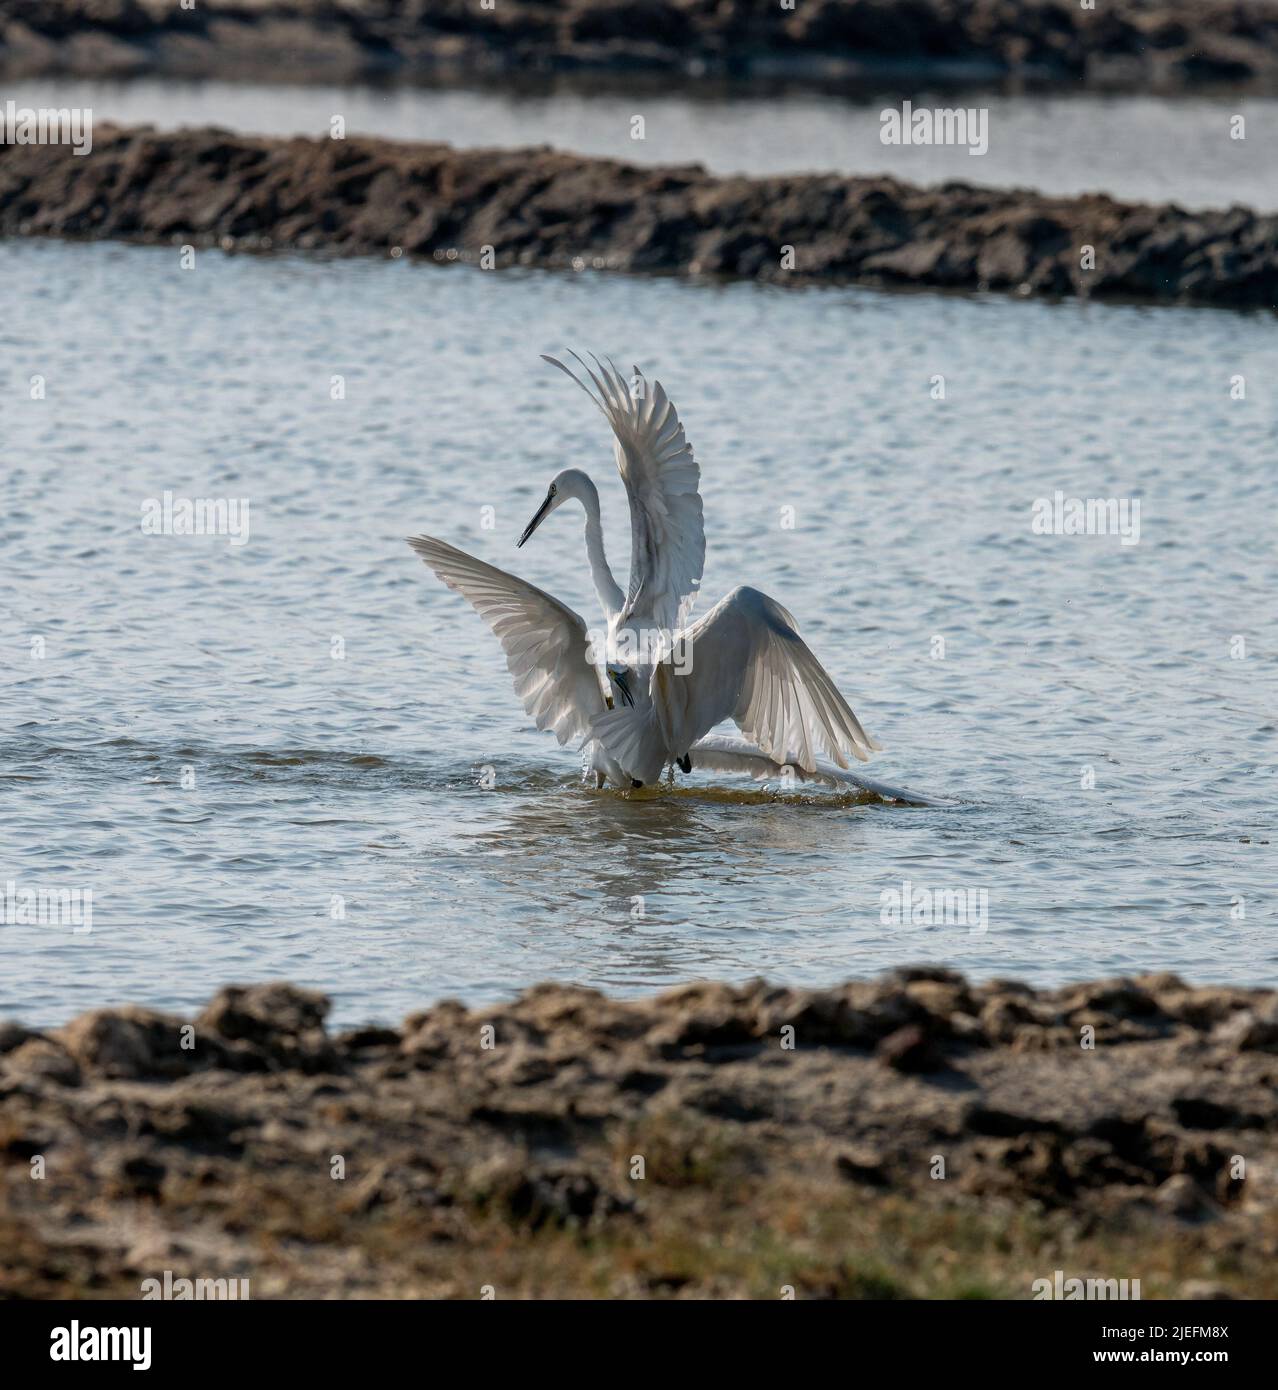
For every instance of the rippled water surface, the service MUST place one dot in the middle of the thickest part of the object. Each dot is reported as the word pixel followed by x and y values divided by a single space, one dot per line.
pixel 190 746
pixel 1139 148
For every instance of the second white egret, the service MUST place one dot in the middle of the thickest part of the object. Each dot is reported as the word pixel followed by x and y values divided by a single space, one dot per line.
pixel 661 684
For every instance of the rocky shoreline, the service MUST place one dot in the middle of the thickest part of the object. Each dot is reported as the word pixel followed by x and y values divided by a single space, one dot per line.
pixel 1133 43
pixel 539 207
pixel 915 1136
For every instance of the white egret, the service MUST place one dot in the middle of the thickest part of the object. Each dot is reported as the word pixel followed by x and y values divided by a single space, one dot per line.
pixel 636 714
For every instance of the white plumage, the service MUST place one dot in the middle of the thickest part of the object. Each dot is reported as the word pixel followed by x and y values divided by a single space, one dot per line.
pixel 723 753
pixel 638 714
pixel 748 664
pixel 545 642
pixel 656 463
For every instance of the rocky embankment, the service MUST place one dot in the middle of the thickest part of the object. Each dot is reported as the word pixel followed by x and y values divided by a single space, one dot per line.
pixel 915 1136
pixel 544 208
pixel 1119 42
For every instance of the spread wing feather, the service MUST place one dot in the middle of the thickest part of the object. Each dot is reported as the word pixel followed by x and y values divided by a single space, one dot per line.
pixel 662 478
pixel 546 644
pixel 743 661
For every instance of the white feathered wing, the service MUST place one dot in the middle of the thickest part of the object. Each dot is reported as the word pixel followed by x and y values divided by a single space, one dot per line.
pixel 546 644
pixel 743 661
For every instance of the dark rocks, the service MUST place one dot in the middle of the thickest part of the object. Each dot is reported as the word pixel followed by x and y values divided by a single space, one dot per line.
pixel 1181 1196
pixel 909 1049
pixel 198 1126
pixel 279 1024
pixel 360 1039
pixel 262 1013
pixel 1202 1112
pixel 545 1194
pixel 14 1035
pixel 863 1164
pixel 254 1028
pixel 136 1174
pixel 42 1059
pixel 130 1043
pixel 542 208
pixel 707 1019
pixel 990 1120
pixel 1253 1028
pixel 1158 43
pixel 387 1160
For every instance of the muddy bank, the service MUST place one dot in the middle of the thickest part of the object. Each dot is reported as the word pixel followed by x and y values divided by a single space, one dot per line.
pixel 914 1136
pixel 1133 43
pixel 549 209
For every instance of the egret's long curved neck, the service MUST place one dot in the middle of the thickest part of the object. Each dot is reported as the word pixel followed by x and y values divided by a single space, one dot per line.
pixel 611 598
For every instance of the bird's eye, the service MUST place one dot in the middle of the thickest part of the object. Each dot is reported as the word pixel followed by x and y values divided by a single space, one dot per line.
pixel 553 489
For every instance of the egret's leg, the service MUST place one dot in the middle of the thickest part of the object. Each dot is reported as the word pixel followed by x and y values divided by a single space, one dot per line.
pixel 600 779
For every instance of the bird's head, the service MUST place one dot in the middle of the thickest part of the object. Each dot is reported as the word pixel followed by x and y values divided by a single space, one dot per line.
pixel 619 680
pixel 571 483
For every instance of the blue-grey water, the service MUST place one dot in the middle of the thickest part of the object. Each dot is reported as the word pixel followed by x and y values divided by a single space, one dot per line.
pixel 267 760
pixel 1192 150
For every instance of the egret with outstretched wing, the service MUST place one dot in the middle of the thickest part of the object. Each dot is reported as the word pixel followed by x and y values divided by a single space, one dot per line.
pixel 743 661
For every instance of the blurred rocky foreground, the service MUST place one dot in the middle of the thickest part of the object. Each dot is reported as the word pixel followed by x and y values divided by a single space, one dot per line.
pixel 917 1136
pixel 1128 43
pixel 539 207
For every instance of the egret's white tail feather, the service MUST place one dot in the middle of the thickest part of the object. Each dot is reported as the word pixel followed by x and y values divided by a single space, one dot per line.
pixel 631 740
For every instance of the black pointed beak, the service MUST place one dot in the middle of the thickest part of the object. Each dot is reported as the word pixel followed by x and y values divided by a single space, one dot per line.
pixel 623 685
pixel 535 522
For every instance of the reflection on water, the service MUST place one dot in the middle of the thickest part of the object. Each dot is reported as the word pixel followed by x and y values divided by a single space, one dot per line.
pixel 246 804
pixel 1140 148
